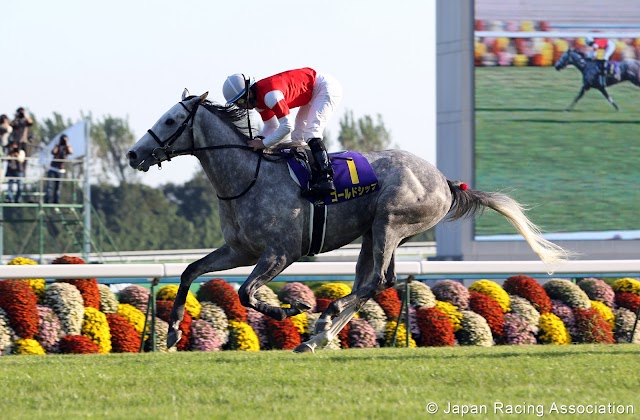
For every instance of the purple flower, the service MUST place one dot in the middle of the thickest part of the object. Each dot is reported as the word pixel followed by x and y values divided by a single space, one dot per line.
pixel 453 292
pixel 361 334
pixel 204 336
pixel 49 329
pixel 517 330
pixel 598 290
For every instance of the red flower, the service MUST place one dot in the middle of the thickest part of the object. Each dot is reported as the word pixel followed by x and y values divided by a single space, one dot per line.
pixel 21 305
pixel 343 335
pixel 322 304
pixel 77 344
pixel 222 294
pixel 283 335
pixel 124 337
pixel 390 302
pixel 489 309
pixel 88 287
pixel 436 329
pixel 163 311
pixel 590 327
pixel 628 300
pixel 529 289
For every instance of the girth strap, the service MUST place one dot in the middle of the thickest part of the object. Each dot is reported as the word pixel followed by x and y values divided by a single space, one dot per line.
pixel 317 227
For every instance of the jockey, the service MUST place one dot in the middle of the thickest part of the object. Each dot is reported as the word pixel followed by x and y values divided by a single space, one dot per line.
pixel 601 44
pixel 317 95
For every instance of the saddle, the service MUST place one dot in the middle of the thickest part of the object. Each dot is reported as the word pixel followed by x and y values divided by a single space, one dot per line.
pixel 353 175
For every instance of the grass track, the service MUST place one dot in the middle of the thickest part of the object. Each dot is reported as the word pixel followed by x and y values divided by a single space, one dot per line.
pixel 575 169
pixel 375 383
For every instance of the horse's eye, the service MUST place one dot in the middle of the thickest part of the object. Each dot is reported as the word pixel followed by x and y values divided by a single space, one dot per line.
pixel 170 121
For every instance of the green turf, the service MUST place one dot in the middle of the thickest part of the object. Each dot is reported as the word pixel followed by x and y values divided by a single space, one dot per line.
pixel 578 170
pixel 346 384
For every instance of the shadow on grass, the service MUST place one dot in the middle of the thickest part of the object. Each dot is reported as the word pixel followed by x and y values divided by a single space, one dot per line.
pixel 480 109
pixel 580 122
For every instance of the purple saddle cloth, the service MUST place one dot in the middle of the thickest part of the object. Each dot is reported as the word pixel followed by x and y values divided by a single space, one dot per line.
pixel 353 176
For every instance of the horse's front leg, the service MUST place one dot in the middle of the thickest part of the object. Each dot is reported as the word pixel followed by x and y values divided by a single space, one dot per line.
pixel 609 98
pixel 577 98
pixel 270 264
pixel 222 258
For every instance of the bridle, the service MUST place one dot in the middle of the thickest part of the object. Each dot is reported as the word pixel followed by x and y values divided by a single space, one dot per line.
pixel 164 151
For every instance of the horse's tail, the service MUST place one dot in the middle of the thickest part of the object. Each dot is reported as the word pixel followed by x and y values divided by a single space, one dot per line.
pixel 467 202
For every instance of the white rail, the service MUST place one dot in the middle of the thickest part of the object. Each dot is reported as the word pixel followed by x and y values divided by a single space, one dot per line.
pixel 456 269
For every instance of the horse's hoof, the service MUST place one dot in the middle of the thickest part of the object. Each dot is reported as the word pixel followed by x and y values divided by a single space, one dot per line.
pixel 303 348
pixel 301 306
pixel 173 337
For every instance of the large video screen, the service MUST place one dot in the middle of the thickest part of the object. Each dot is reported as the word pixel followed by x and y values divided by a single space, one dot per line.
pixel 575 165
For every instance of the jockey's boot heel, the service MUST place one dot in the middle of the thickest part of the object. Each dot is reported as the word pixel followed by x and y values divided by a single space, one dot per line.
pixel 324 181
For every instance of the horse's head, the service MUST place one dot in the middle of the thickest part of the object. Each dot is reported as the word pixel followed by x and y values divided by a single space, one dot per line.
pixel 169 135
pixel 564 59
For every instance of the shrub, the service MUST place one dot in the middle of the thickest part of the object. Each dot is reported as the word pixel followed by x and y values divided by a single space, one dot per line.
pixel 283 335
pixel 420 295
pixel 375 316
pixel 563 312
pixel 322 304
pixel 297 291
pixel 332 291
pixel 361 334
pixel 20 304
pixel 124 338
pixel 204 336
pixel 598 290
pixel 88 287
pixel 242 337
pixel 627 284
pixel 133 315
pixel 136 296
pixel 567 292
pixel 605 312
pixel 77 344
pixel 625 321
pixel 222 294
pixel 49 329
pixel 455 316
pixel 628 300
pixel 494 291
pixel 529 289
pixel 28 346
pixel 161 330
pixel 522 307
pixel 489 309
pixel 257 321
pixel 267 295
pixel 435 327
pixel 401 336
pixel 517 331
pixel 474 330
pixel 191 305
pixel 389 302
pixel 301 322
pixel 215 316
pixel 7 336
pixel 553 330
pixel 453 292
pixel 108 300
pixel 163 311
pixel 96 327
pixel 66 301
pixel 37 285
pixel 590 327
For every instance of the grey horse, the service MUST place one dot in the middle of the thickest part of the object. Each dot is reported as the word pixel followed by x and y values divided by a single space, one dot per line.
pixel 629 70
pixel 265 220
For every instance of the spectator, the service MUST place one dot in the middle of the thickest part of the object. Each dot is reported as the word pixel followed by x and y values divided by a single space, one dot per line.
pixel 15 170
pixel 21 124
pixel 5 133
pixel 56 170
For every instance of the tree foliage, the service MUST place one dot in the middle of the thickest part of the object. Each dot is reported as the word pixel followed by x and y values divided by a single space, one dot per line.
pixel 364 134
pixel 111 139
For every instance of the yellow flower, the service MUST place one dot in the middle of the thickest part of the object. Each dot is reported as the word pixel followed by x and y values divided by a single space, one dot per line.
pixel 192 305
pixel 37 285
pixel 452 312
pixel 301 322
pixel 401 337
pixel 606 312
pixel 553 330
pixel 494 291
pixel 627 284
pixel 242 337
pixel 133 315
pixel 332 291
pixel 96 327
pixel 28 346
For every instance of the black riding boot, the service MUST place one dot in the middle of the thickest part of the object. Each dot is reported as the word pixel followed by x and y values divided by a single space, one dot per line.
pixel 323 182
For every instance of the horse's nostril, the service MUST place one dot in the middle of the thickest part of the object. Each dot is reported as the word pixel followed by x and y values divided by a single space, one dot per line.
pixel 132 155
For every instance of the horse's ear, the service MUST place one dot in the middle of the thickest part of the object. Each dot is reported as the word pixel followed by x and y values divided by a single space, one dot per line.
pixel 203 96
pixel 185 94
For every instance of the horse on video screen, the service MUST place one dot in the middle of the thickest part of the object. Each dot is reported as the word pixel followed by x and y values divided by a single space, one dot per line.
pixel 267 222
pixel 626 70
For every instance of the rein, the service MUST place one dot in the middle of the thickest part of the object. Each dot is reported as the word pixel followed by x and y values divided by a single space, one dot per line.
pixel 168 154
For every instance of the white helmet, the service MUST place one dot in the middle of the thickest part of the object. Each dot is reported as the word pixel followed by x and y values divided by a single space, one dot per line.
pixel 236 86
pixel 588 40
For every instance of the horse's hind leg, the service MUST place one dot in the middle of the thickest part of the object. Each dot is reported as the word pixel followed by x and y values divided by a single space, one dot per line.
pixel 609 98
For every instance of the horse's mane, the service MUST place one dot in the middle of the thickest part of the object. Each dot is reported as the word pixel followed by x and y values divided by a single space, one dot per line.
pixel 231 115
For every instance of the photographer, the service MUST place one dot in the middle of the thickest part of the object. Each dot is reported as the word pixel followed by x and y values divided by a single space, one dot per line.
pixel 56 170
pixel 15 172
pixel 20 125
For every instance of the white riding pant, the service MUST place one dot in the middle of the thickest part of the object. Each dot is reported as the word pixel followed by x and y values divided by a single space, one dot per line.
pixel 313 117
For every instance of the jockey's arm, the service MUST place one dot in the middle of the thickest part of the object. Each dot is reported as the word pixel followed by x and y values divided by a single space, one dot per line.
pixel 270 126
pixel 608 52
pixel 283 130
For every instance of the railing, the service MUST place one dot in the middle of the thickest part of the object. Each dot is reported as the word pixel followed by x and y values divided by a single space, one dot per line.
pixel 301 271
